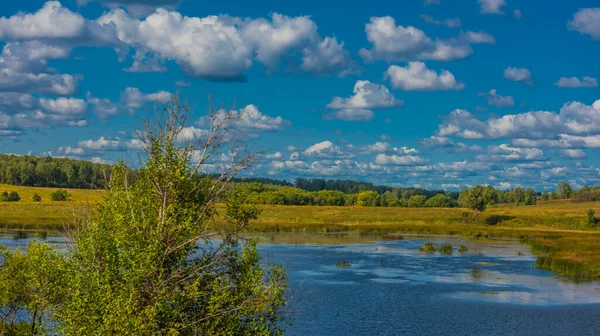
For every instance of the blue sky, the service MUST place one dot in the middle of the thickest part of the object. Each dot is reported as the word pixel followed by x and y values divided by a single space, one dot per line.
pixel 436 94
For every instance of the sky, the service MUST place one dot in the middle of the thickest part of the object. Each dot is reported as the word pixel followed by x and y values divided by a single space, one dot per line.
pixel 424 93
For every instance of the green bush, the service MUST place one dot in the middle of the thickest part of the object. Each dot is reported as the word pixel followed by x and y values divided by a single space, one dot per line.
pixel 591 217
pixel 428 247
pixel 60 195
pixel 9 197
pixel 36 198
pixel 417 201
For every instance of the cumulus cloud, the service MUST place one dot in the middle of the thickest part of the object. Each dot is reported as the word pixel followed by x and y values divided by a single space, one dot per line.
pixel 477 37
pixel 493 98
pixel 249 119
pixel 586 21
pixel 574 122
pixel 61 85
pixel 574 82
pixel 518 75
pixel 104 108
pixel 104 144
pixel 448 145
pixel 70 151
pixel 505 152
pixel 22 111
pixel 417 77
pixel 367 96
pixel 399 43
pixel 327 150
pixel 137 8
pixel 450 23
pixel 492 6
pixel 133 99
pixel 224 47
pixel 399 160
pixel 572 153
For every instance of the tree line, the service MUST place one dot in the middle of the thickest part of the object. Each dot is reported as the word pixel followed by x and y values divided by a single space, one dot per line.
pixel 35 171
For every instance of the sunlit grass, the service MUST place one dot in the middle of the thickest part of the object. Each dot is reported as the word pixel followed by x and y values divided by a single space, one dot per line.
pixel 557 231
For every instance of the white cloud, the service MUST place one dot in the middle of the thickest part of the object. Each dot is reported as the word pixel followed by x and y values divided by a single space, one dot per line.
pixel 103 144
pixel 399 43
pixel 586 21
pixel 367 96
pixel 574 82
pixel 133 99
pixel 54 84
pixel 138 8
pixel 505 152
pixel 328 57
pixel 492 6
pixel 517 14
pixel 448 145
pixel 417 77
pixel 103 107
pixel 573 153
pixel 574 119
pixel 249 118
pixel 518 75
pixel 477 37
pixel 68 150
pixel 327 150
pixel 224 47
pixel 64 106
pixel 450 23
pixel 400 160
pixel 276 155
pixel 493 98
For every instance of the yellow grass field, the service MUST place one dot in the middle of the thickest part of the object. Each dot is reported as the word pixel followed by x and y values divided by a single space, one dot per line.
pixel 557 230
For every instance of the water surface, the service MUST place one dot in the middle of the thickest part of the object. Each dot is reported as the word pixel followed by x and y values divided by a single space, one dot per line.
pixel 391 288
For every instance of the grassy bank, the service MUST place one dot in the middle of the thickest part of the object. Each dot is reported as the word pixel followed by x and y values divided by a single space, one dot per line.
pixel 556 231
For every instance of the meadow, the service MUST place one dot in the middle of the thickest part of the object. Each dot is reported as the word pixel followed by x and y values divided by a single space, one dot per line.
pixel 557 231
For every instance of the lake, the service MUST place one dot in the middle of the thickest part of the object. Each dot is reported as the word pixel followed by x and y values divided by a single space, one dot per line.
pixel 391 288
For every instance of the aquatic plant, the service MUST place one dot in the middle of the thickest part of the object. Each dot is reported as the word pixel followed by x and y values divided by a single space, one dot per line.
pixel 445 249
pixel 343 263
pixel 463 249
pixel 428 247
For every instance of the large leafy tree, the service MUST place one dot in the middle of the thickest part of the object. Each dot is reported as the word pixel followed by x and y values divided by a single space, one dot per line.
pixel 153 260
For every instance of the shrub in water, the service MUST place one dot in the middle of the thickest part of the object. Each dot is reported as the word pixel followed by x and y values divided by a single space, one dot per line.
pixel 445 249
pixel 428 247
pixel 60 195
pixel 343 263
pixel 463 249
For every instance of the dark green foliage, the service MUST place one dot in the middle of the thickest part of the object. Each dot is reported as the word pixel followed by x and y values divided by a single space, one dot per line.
pixel 36 198
pixel 530 197
pixel 12 196
pixel 52 172
pixel 439 201
pixel 60 195
pixel 591 218
pixel 475 199
pixel 428 247
pixel 463 249
pixel 564 189
pixel 147 260
pixel 545 196
pixel 343 263
pixel 417 201
pixel 445 249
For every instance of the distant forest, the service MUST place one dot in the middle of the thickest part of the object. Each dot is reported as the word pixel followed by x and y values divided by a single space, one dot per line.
pixel 35 171
pixel 68 173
